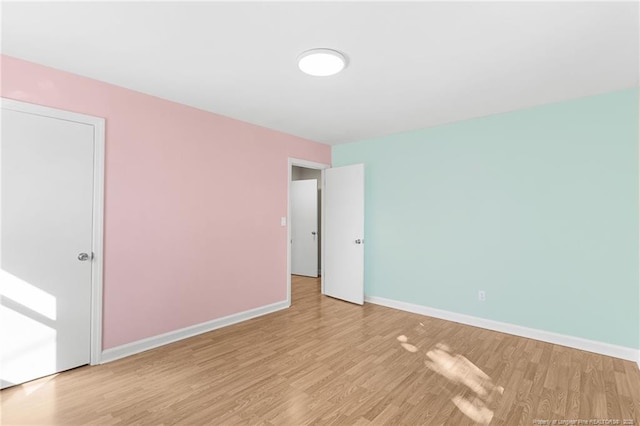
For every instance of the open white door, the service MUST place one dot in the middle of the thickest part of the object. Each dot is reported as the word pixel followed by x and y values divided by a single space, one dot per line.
pixel 304 227
pixel 46 235
pixel 343 233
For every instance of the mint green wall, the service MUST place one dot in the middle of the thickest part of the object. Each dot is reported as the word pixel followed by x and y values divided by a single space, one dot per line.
pixel 538 207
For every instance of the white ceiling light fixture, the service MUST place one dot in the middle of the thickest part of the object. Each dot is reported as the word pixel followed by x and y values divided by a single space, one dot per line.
pixel 322 62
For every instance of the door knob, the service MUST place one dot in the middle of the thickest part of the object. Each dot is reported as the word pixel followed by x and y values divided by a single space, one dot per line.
pixel 358 241
pixel 83 257
pixel 313 233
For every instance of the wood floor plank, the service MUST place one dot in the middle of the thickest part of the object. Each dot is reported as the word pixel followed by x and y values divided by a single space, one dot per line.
pixel 328 362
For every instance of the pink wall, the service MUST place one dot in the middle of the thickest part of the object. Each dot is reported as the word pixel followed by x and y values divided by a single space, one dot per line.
pixel 192 208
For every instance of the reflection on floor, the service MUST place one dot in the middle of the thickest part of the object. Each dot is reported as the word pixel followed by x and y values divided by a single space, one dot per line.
pixel 325 361
pixel 460 371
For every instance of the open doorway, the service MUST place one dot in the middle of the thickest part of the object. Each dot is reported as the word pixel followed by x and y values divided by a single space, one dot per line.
pixel 304 225
pixel 305 197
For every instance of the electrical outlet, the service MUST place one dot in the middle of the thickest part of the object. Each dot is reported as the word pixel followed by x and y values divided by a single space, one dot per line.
pixel 482 296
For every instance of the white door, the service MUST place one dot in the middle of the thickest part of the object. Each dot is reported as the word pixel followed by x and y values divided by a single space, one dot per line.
pixel 304 227
pixel 343 233
pixel 46 201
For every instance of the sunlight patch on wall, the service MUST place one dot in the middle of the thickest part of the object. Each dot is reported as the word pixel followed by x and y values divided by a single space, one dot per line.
pixel 28 347
pixel 27 344
pixel 27 295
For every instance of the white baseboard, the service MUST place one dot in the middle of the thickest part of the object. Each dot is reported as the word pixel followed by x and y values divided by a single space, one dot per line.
pixel 622 352
pixel 133 348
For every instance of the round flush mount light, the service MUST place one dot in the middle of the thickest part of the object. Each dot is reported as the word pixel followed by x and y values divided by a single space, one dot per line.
pixel 322 62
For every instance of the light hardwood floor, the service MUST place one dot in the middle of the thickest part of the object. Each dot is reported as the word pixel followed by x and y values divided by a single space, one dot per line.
pixel 324 361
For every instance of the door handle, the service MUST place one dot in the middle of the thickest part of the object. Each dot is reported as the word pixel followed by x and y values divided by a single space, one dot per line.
pixel 83 257
pixel 358 241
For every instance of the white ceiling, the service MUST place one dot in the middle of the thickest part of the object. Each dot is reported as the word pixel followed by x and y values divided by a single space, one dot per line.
pixel 412 65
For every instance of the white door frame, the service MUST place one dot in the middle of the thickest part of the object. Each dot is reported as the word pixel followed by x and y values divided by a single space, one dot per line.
pixel 309 165
pixel 98 207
